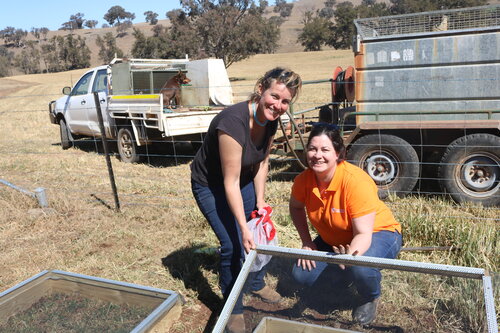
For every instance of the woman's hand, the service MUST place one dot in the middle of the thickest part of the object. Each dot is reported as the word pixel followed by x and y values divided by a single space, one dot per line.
pixel 247 240
pixel 344 250
pixel 306 263
pixel 261 205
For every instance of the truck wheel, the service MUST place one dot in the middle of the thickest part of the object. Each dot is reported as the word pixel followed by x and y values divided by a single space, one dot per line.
pixel 470 169
pixel 127 148
pixel 65 136
pixel 391 162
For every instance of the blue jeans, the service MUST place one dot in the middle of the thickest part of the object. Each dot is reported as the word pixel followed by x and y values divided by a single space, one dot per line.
pixel 385 244
pixel 213 204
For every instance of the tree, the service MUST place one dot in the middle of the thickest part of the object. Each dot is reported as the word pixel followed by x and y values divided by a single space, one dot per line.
pixel 328 11
pixel 67 26
pixel 107 48
pixel 7 33
pixel 77 20
pixel 72 52
pixel 231 30
pixel 91 24
pixel 175 42
pixel 315 32
pixel 122 28
pixel 44 31
pixel 13 35
pixel 343 30
pixel 370 8
pixel 29 59
pixel 117 13
pixel 5 61
pixel 283 8
pixel 35 32
pixel 50 55
pixel 151 17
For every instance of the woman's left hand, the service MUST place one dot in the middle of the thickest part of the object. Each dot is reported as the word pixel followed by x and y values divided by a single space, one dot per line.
pixel 341 249
pixel 247 240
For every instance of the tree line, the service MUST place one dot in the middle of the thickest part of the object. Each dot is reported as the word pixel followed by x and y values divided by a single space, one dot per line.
pixel 333 25
pixel 231 30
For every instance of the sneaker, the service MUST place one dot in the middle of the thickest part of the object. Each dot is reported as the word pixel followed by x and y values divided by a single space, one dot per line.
pixel 365 313
pixel 268 295
pixel 236 324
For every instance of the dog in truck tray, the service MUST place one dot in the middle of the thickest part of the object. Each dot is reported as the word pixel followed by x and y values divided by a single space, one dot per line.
pixel 171 90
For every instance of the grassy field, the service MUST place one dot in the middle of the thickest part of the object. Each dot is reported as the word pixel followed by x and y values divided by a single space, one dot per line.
pixel 155 238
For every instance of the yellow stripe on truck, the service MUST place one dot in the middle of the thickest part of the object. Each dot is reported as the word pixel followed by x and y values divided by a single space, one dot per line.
pixel 134 96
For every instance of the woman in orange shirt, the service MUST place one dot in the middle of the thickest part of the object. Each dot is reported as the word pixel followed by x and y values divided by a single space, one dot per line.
pixel 342 204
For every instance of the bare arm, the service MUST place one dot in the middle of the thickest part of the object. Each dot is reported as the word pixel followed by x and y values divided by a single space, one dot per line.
pixel 298 214
pixel 260 178
pixel 230 156
pixel 362 229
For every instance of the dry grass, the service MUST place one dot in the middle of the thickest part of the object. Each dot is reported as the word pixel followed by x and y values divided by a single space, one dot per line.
pixel 152 240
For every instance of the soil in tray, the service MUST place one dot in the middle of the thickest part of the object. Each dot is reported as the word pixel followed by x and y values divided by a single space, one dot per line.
pixel 72 313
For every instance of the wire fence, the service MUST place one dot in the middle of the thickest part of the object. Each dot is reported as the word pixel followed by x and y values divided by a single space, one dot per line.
pixel 408 160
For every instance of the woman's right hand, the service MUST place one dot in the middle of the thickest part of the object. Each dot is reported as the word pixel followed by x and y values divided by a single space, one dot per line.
pixel 306 263
pixel 247 240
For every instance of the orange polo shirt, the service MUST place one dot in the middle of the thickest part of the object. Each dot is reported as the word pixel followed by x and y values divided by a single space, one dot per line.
pixel 351 193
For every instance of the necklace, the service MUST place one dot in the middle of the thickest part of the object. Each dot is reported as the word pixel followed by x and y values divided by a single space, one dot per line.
pixel 257 119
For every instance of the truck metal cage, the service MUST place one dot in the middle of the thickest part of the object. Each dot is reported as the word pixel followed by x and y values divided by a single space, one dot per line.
pixel 436 22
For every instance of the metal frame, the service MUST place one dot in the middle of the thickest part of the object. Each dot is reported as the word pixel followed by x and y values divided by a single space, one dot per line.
pixel 39 193
pixel 346 259
pixel 473 19
pixel 170 297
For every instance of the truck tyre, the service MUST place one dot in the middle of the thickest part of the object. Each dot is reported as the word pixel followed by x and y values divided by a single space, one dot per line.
pixel 470 169
pixel 127 147
pixel 66 142
pixel 391 162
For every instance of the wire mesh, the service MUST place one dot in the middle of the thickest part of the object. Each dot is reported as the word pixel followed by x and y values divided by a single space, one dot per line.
pixel 445 20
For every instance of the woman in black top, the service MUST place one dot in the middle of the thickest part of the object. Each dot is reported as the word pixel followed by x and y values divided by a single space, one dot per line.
pixel 229 172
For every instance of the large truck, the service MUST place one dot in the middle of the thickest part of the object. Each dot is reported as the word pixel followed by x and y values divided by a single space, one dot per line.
pixel 132 106
pixel 422 101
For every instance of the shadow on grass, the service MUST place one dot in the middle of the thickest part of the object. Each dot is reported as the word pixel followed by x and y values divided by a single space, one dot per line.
pixel 185 264
pixel 319 304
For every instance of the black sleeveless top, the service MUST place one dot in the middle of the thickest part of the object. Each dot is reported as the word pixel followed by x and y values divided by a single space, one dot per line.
pixel 206 167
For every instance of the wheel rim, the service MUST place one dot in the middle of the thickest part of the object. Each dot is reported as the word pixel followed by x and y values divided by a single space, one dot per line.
pixel 126 145
pixel 479 175
pixel 382 167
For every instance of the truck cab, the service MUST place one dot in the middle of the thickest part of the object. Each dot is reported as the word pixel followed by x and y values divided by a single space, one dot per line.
pixel 77 108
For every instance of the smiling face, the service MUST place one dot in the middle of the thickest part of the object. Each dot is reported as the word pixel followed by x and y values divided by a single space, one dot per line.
pixel 321 156
pixel 274 101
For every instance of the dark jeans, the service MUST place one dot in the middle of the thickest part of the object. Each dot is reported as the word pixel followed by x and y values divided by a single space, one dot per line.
pixel 213 204
pixel 385 244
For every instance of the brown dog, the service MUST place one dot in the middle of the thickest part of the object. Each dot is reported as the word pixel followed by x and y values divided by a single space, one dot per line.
pixel 171 90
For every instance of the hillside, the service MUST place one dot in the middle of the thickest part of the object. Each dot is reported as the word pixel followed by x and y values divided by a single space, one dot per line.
pixel 288 41
pixel 290 30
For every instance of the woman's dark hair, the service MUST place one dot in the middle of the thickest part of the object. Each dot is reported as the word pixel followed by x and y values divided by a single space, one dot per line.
pixel 332 132
pixel 283 75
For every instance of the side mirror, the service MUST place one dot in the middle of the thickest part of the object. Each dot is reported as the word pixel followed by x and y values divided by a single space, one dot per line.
pixel 66 90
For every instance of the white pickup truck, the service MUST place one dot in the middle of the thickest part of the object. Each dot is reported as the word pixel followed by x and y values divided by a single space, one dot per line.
pixel 132 105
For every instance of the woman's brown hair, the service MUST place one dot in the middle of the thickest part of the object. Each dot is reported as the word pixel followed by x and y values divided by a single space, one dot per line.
pixel 283 75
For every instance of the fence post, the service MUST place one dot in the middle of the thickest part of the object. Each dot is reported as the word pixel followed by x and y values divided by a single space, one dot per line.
pixel 42 198
pixel 105 146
